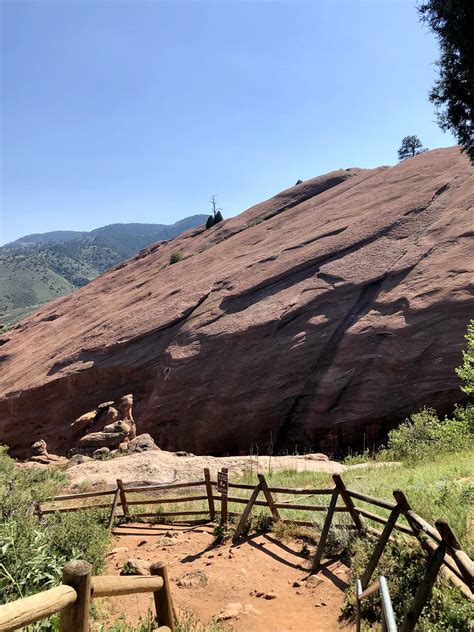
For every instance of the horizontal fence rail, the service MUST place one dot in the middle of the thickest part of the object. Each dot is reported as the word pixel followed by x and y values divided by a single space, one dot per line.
pixel 72 598
pixel 455 564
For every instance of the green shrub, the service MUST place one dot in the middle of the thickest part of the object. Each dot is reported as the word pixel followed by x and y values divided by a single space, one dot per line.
pixel 403 565
pixel 466 371
pixel 423 435
pixel 262 522
pixel 79 535
pixel 218 218
pixel 176 256
pixel 33 551
pixel 221 533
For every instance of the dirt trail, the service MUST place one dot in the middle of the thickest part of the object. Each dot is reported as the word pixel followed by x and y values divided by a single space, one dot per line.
pixel 261 564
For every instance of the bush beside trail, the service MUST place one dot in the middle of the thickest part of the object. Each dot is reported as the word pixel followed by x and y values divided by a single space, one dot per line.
pixel 33 552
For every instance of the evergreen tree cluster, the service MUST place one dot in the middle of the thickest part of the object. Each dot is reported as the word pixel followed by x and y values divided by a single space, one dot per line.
pixel 216 214
pixel 452 21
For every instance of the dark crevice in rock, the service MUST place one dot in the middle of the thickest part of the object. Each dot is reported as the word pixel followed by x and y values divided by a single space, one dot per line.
pixel 308 268
pixel 298 273
pixel 325 359
pixel 330 233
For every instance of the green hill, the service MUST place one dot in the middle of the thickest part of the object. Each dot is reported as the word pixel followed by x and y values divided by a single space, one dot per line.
pixel 38 268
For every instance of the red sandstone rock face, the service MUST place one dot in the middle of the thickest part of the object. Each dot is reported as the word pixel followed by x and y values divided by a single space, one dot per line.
pixel 316 319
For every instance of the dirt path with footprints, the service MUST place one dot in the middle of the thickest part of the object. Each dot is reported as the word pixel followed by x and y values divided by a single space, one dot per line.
pixel 260 584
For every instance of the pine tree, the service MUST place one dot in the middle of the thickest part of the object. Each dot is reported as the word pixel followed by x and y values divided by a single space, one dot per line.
pixel 452 21
pixel 411 146
pixel 216 216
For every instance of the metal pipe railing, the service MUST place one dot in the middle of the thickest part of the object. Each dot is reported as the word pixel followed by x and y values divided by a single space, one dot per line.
pixel 388 617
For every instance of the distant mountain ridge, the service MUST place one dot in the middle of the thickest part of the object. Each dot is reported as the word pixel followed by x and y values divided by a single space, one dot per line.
pixel 55 236
pixel 40 267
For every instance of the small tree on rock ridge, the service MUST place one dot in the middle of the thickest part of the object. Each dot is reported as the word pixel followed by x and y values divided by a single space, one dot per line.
pixel 411 146
pixel 216 216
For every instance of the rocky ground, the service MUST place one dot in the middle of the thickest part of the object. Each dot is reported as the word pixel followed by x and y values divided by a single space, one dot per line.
pixel 159 466
pixel 261 584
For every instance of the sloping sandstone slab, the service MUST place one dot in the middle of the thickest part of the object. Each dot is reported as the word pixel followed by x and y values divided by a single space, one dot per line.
pixel 315 320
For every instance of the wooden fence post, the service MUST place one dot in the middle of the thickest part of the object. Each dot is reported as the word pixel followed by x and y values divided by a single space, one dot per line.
pixel 246 513
pixel 224 516
pixel 462 560
pixel 77 574
pixel 325 530
pixel 348 502
pixel 380 546
pixel 210 497
pixel 123 498
pixel 113 510
pixel 451 569
pixel 268 497
pixel 424 589
pixel 163 601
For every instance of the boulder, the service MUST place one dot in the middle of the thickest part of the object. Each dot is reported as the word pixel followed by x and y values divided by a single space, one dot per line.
pixel 135 566
pixel 83 421
pixel 314 581
pixel 105 405
pixel 194 579
pixel 78 459
pixel 39 448
pixel 43 459
pixel 40 454
pixel 231 611
pixel 117 426
pixel 111 415
pixel 101 439
pixel 142 443
pixel 100 453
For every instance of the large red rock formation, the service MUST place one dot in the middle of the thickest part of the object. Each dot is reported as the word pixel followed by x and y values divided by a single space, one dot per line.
pixel 316 319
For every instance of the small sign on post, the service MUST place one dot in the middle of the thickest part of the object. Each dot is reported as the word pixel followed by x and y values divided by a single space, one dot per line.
pixel 223 481
pixel 222 488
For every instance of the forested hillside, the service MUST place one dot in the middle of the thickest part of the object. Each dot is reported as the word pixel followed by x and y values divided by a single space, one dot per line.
pixel 41 267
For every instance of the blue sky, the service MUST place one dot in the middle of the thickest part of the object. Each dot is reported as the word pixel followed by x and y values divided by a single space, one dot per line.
pixel 116 111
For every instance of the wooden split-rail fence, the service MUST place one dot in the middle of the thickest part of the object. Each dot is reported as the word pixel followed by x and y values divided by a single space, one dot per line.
pixel 445 553
pixel 73 597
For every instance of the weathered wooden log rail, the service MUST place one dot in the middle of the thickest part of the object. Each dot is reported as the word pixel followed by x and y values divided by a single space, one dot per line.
pixel 444 551
pixel 72 598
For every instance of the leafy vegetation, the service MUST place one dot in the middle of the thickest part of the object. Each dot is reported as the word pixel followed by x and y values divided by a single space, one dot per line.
pixel 33 552
pixel 423 435
pixel 411 146
pixel 176 256
pixel 453 93
pixel 466 371
pixel 403 565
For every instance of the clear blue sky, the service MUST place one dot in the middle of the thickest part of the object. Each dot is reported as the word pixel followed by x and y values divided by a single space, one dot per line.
pixel 117 111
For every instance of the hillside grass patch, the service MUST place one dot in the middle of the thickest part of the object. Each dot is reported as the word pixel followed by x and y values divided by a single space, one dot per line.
pixel 34 551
